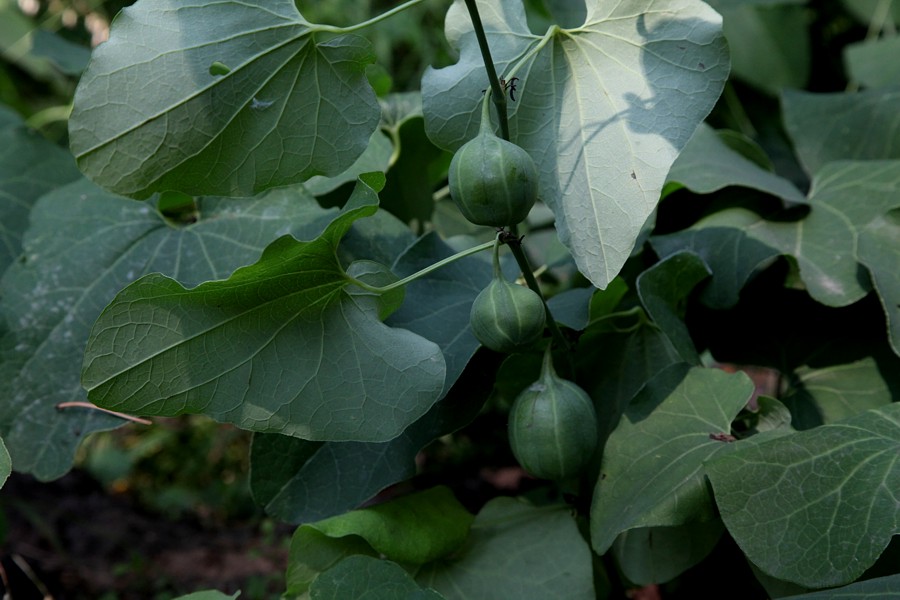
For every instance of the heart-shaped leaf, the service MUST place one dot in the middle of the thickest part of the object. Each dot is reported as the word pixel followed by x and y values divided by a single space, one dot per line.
pixel 280 346
pixel 84 245
pixel 816 507
pixel 530 553
pixel 220 97
pixel 603 108
pixel 652 471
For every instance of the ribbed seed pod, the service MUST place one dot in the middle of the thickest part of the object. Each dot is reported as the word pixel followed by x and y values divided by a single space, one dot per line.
pixel 506 316
pixel 493 182
pixel 553 426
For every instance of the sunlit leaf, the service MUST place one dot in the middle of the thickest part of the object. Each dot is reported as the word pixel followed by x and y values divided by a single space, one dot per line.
pixel 603 108
pixel 220 97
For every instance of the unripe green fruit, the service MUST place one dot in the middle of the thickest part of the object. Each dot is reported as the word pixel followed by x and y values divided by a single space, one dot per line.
pixel 506 316
pixel 553 427
pixel 492 181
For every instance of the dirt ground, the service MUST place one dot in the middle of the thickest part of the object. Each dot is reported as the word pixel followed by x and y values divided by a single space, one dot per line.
pixel 71 540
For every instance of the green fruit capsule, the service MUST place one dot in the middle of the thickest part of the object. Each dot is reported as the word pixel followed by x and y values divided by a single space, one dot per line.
pixel 553 427
pixel 506 316
pixel 492 181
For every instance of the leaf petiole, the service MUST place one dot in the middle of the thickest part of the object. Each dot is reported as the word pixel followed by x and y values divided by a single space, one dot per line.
pixel 423 272
pixel 368 23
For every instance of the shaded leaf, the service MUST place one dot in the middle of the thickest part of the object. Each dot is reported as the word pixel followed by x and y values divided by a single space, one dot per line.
pixel 312 553
pixel 650 555
pixel 438 305
pixel 732 255
pixel 84 246
pixel 279 346
pixel 817 507
pixel 30 166
pixel 516 552
pixel 301 481
pixel 845 198
pixel 866 10
pixel 880 588
pixel 840 391
pixel 663 290
pixel 769 42
pixel 708 163
pixel 614 365
pixel 603 108
pixel 871 63
pixel 153 110
pixel 652 470
pixel 572 307
pixel 879 251
pixel 842 126
pixel 367 578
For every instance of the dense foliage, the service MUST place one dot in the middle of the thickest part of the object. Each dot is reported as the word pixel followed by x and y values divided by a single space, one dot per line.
pixel 252 221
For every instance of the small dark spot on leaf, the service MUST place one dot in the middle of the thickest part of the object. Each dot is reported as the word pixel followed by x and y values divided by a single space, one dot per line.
pixel 633 176
pixel 722 437
pixel 702 66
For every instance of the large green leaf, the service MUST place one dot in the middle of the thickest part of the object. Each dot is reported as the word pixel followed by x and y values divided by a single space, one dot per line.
pixel 412 530
pixel 841 126
pixel 220 97
pixel 84 246
pixel 614 364
pixel 367 578
pixel 301 481
pixel 438 305
pixel 846 197
pixel 732 255
pixel 517 552
pixel 664 288
pixel 815 507
pixel 652 470
pixel 280 346
pixel 769 42
pixel 840 391
pixel 30 166
pixel 603 108
pixel 708 164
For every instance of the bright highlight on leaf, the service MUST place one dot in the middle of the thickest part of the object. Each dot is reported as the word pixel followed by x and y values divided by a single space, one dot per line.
pixel 290 106
pixel 603 108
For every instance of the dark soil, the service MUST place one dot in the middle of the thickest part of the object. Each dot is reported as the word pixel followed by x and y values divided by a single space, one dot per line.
pixel 71 539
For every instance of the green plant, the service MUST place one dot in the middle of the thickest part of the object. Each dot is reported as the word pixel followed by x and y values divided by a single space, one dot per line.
pixel 505 316
pixel 553 426
pixel 492 181
pixel 225 248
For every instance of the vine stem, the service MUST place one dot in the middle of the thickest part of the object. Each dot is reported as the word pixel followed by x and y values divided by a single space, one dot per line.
pixel 62 405
pixel 368 23
pixel 498 95
pixel 423 272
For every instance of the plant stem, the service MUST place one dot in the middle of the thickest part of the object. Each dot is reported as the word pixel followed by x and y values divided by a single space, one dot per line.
pixel 423 272
pixel 498 95
pixel 372 21
pixel 88 405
